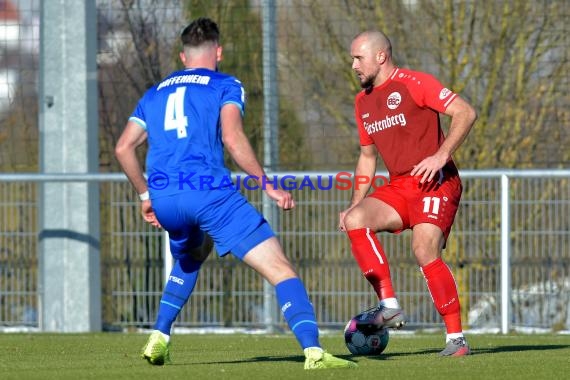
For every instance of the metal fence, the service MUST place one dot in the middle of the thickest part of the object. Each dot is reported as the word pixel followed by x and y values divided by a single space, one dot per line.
pixel 524 106
pixel 509 251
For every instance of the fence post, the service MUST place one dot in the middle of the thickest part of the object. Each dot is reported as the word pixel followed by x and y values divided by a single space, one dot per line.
pixel 68 221
pixel 505 255
pixel 270 135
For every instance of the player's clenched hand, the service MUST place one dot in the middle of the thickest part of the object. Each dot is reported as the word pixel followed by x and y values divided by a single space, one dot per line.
pixel 148 214
pixel 283 198
pixel 429 167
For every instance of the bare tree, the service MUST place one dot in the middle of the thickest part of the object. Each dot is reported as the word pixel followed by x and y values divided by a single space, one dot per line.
pixel 506 57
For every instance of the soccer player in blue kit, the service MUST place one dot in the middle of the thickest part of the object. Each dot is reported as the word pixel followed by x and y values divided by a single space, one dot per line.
pixel 188 118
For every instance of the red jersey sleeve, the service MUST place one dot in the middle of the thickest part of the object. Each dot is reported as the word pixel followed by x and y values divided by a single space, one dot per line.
pixel 427 91
pixel 365 138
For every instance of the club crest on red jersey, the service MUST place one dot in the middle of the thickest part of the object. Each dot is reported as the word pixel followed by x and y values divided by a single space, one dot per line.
pixel 394 100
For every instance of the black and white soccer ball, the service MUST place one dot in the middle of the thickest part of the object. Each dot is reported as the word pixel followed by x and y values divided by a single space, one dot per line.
pixel 370 341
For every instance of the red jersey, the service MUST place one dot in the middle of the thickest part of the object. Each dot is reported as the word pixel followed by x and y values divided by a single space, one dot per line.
pixel 401 117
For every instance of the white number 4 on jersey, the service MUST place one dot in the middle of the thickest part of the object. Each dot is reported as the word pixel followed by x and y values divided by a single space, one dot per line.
pixel 174 118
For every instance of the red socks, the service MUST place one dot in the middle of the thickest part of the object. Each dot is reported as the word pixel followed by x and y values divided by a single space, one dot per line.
pixel 371 259
pixel 443 290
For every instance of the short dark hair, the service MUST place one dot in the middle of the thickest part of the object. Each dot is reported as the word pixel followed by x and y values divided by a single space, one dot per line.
pixel 200 31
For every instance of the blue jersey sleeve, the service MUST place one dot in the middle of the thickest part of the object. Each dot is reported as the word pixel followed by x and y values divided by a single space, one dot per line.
pixel 138 115
pixel 234 93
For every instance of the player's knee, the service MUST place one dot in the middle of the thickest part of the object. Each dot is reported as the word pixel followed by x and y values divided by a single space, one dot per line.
pixel 354 219
pixel 275 276
pixel 268 259
pixel 279 269
pixel 284 267
pixel 425 254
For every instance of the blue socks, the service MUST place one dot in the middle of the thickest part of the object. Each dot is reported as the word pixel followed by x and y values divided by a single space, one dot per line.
pixel 298 311
pixel 291 295
pixel 177 291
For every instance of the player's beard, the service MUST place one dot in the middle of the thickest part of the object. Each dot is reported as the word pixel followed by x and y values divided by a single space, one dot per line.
pixel 367 81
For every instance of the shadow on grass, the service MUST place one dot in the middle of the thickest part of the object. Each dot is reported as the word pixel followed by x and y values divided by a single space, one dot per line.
pixel 518 347
pixel 478 351
pixel 385 356
pixel 260 359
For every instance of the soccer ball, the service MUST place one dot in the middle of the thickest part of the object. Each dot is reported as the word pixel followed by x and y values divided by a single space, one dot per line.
pixel 372 341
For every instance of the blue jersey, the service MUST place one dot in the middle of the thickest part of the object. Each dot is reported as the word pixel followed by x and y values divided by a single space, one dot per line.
pixel 181 116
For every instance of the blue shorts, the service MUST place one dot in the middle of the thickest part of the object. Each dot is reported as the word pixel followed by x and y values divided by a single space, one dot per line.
pixel 225 214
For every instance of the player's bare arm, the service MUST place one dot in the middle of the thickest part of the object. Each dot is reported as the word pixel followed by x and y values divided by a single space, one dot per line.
pixel 125 151
pixel 242 153
pixel 131 138
pixel 365 166
pixel 463 115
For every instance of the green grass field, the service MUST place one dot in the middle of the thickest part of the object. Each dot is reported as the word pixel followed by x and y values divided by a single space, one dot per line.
pixel 241 356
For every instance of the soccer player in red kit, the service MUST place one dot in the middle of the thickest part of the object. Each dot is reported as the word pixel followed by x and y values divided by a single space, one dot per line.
pixel 397 114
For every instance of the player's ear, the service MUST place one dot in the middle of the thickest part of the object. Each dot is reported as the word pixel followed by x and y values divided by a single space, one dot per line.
pixel 380 57
pixel 182 57
pixel 219 54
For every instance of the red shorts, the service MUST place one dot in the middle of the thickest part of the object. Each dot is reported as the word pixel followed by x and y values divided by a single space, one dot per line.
pixel 434 203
